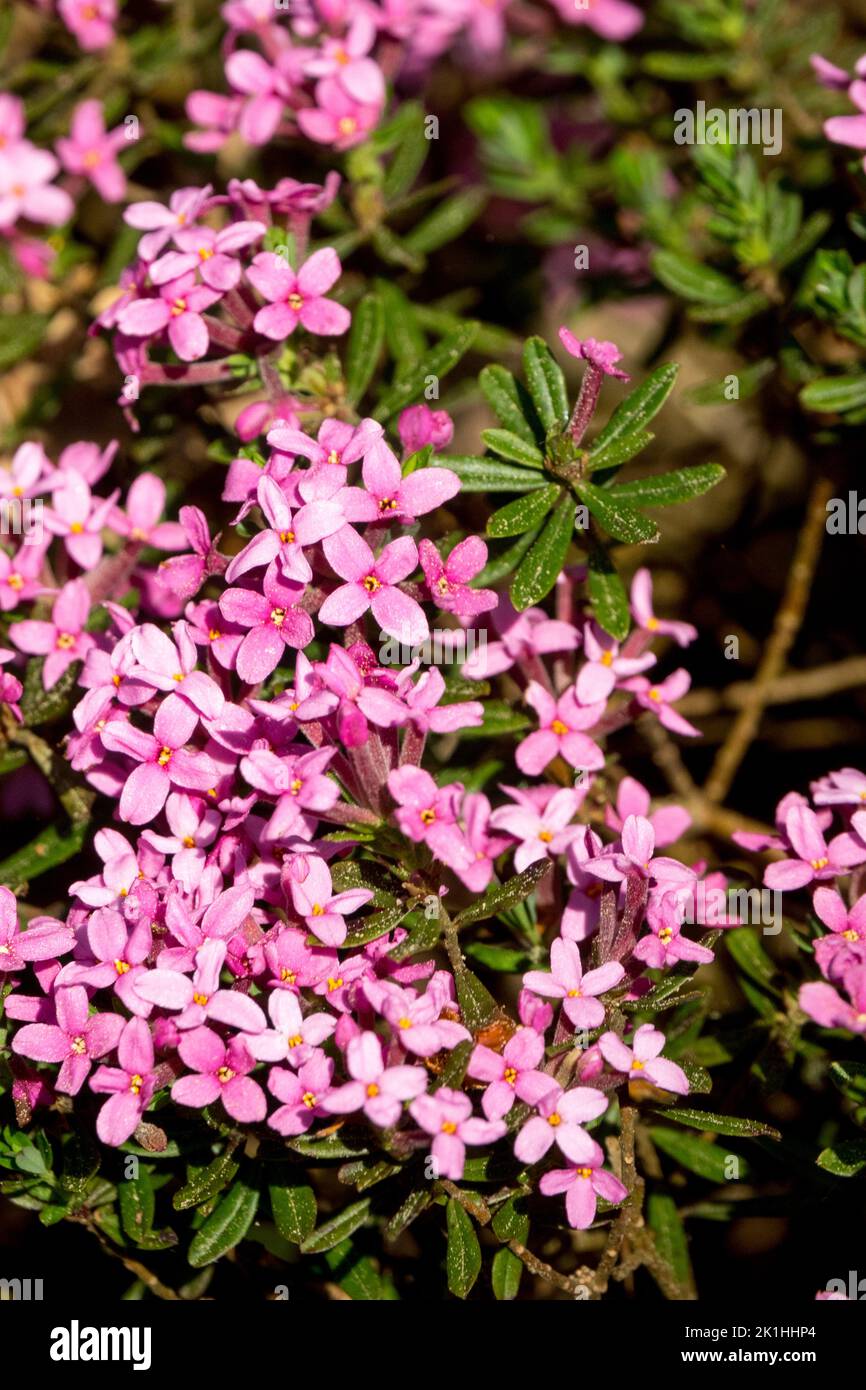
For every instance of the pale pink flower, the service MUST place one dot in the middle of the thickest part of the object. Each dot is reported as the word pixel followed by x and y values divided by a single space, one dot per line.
pixel 92 151
pixel 298 298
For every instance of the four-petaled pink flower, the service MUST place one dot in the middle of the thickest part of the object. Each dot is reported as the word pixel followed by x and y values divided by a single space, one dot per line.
pixel 199 998
pixel 274 622
pixel 659 699
pixel 448 579
pixel 62 640
pixel 604 665
pixel 582 1186
pixel 603 356
pixel 512 1074
pixel 388 496
pixel 314 899
pixel 371 582
pixel 163 758
pixel 379 1090
pixel 641 1061
pixel 559 733
pixel 447 1115
pixel 816 859
pixel 642 612
pixel 92 151
pixel 44 939
pixel 337 119
pixel 130 1085
pixel 219 1071
pixel 179 308
pixel 77 1038
pixel 566 981
pixel 561 1115
pixel 298 298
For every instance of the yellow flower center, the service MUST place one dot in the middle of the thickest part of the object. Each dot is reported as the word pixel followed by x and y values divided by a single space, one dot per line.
pixel 850 935
pixel 654 694
pixel 388 504
pixel 91 159
pixel 820 863
pixel 296 786
pixel 652 624
pixel 204 253
pixel 546 836
pixel 555 1119
pixel 428 817
pixel 65 641
pixel 135 1083
pixel 164 756
pixel 199 999
pixel 214 634
pixel 372 1090
pixel 510 1075
pixel 287 537
pixel 584 1172
pixel 178 308
pixel 225 1074
pixel 334 983
pixel 318 910
pixel 295 1040
pixel 347 125
pixel 76 528
pixel 405 1023
pixel 665 935
pixel 309 1099
pixel 449 1127
pixel 371 584
pixel 79 1046
pixel 557 727
pixel 278 616
pixel 288 975
pixel 15 581
pixel 606 658
pixel 122 966
pixel 189 842
pixel 296 301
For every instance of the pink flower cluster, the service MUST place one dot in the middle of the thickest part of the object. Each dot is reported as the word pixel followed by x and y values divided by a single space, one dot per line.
pixel 812 860
pixel 28 193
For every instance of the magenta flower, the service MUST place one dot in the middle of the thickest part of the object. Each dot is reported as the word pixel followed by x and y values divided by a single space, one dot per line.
pixel 641 1061
pixel 76 1040
pixel 665 944
pixel 193 826
pixel 826 1006
pixel 415 1018
pixel 336 445
pixel 419 705
pixel 560 722
pixel 378 1090
pixel 448 580
pixel 847 929
pixel 300 784
pixel 419 426
pixel 428 813
pixel 185 574
pixel 91 21
pixel 604 356
pixel 582 1186
pixel 274 622
pixel 561 1115
pixel 78 517
pixel 604 665
pixel 44 939
pixel 130 1086
pixel 815 859
pixel 314 900
pixel 447 1115
pixel 302 1094
pixel 371 582
pixel 512 1074
pixel 91 151
pixel 220 1072
pixel 543 827
pixel 268 88
pixel 659 699
pixel 200 998
pixel 635 858
pixel 642 612
pixel 212 254
pixel 577 991
pixel 633 799
pixel 391 497
pixel 178 307
pixel 167 665
pixel 26 189
pixel 62 640
pixel 294 299
pixel 278 543
pixel 163 758
pixel 293 1037
pixel 337 119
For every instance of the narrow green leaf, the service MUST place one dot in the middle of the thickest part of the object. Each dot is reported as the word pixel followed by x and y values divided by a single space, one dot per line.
pixel 524 514
pixel 357 1274
pixel 619 519
pixel 51 847
pixel 477 1004
pixel 692 280
pixel 376 925
pixel 511 1221
pixel 505 563
pixel 511 446
pixel 437 363
pixel 365 346
pixel 679 486
pixel 294 1208
pixel 22 334
pixel 207 1184
pixel 403 334
pixel 544 563
pixel 546 383
pixel 446 222
pixel 339 1228
pixel 504 895
pixel 634 413
pixel 608 595
pixel 463 1258
pixel 731 1125
pixel 505 1275
pixel 510 402
pixel 410 154
pixel 417 1202
pixel 833 395
pixel 225 1227
pixel 489 475
pixel 844 1160
pixel 707 1160
pixel 619 452
pixel 670 1236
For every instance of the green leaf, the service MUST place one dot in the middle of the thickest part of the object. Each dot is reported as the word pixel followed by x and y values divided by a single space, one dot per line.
pixel 833 395
pixel 410 155
pixel 506 959
pixel 446 222
pixel 670 1236
pixel 339 1228
pixel 505 1274
pixel 680 486
pixel 437 362
pixel 510 402
pixel 489 475
pixel 50 848
pixel 542 565
pixel 137 1204
pixel 403 334
pixel 204 1186
pixel 849 1076
pixel 358 1275
pixel 744 946
pixel 463 1258
pixel 22 334
pixel 619 452
pixel 505 562
pixel 515 518
pixel 225 1227
pixel 511 1222
pixel 608 595
pixel 376 925
pixel 365 346
pixel 453 1072
pixel 499 718
pixel 634 413
pixel 731 1125
pixel 511 446
pixel 707 1160
pixel 365 873
pixel 477 1004
pixel 322 1150
pixel 504 895
pixel 619 519
pixel 294 1207
pixel 416 1203
pixel 546 383
pixel 692 280
pixel 844 1160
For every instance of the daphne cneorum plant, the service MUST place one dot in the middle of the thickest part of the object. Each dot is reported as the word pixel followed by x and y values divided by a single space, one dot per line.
pixel 361 945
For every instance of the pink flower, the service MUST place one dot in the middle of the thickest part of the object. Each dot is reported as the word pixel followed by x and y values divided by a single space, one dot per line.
pixel 815 858
pixel 75 1040
pixel 826 1006
pixel 603 356
pixel 448 580
pixel 131 1085
pixel 26 190
pixel 193 827
pixel 378 1090
pixel 844 788
pixel 199 998
pixel 302 1094
pixel 185 574
pixel 163 758
pixel 274 623
pixel 19 576
pixel 604 665
pixel 415 1019
pixel 294 1037
pixel 79 518
pixel 561 1115
pixel 420 705
pixel 91 21
pixel 90 151
pixel 641 1061
pixel 337 118
pixel 371 582
pixel 299 782
pixel 160 222
pixel 633 799
pixel 577 991
pixel 294 299
pixel 847 929
pixel 658 698
pixel 635 858
pixel 616 20
pixel 44 939
pixel 850 130
pixel 388 496
pixel 642 612
pixel 665 944
pixel 178 308
pixel 145 504
pixel 523 635
pixel 346 60
pixel 279 543
pixel 314 899
pixel 268 87
pixel 209 252
pixel 543 828
pixel 512 1074
pixel 582 1185
pixel 419 426
pixel 167 665
pixel 560 721
pixel 427 813
pixel 62 640
pixel 447 1115
pixel 117 955
pixel 220 1072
